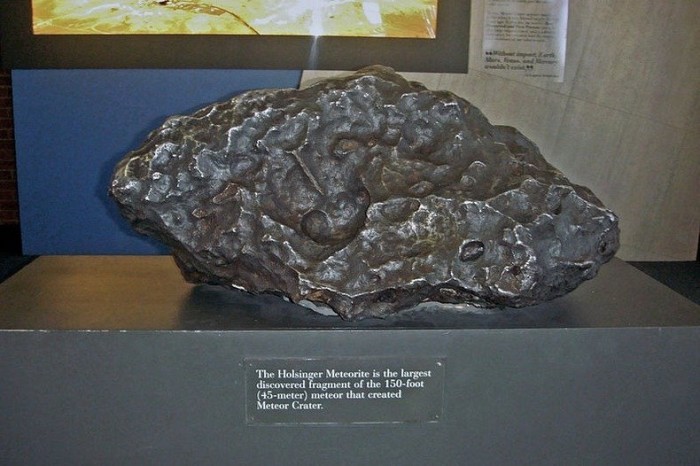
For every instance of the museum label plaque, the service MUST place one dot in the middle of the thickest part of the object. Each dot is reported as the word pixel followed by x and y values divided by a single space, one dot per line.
pixel 355 390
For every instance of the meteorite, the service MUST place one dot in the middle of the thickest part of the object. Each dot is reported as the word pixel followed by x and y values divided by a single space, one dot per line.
pixel 368 194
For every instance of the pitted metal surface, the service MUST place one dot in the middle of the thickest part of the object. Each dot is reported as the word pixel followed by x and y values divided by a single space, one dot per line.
pixel 368 194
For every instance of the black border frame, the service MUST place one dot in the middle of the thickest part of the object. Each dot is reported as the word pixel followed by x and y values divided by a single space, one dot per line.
pixel 21 49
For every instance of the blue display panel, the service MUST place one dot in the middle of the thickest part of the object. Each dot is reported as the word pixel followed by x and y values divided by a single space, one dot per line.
pixel 71 128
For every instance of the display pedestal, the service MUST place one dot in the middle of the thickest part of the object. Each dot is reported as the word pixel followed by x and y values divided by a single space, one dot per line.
pixel 116 360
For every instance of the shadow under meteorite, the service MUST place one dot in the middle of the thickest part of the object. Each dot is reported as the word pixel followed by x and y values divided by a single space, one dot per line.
pixel 211 307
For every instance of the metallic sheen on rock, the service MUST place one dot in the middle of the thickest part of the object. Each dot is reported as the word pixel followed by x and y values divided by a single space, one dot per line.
pixel 368 194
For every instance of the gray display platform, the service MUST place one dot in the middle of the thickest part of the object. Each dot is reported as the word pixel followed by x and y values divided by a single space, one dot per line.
pixel 116 360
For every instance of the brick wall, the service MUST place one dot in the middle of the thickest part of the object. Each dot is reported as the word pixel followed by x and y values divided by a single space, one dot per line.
pixel 9 211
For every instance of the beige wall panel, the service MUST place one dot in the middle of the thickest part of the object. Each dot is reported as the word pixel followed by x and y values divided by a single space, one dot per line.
pixel 646 171
pixel 639 179
pixel 642 57
pixel 587 141
pixel 679 207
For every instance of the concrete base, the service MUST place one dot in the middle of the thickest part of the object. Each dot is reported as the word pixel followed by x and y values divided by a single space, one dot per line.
pixel 115 360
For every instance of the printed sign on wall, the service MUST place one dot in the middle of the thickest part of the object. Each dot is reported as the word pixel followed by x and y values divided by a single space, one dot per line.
pixel 525 38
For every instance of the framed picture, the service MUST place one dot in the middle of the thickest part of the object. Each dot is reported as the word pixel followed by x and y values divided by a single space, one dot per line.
pixel 409 35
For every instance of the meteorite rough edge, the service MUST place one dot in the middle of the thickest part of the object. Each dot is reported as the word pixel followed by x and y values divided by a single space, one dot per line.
pixel 366 193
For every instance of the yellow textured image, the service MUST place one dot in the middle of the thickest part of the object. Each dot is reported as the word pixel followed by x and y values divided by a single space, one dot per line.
pixel 349 18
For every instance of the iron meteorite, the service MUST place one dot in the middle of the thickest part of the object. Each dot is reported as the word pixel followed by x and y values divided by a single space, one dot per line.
pixel 369 194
